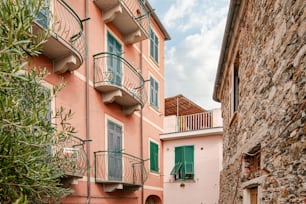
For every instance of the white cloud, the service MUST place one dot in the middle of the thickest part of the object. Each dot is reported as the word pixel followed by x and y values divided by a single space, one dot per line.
pixel 178 11
pixel 191 62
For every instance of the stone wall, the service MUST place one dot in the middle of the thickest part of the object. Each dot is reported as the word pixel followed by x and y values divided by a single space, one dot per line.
pixel 271 45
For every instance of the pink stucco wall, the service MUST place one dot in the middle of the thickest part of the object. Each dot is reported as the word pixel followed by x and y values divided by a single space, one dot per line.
pixel 208 144
pixel 204 189
pixel 136 134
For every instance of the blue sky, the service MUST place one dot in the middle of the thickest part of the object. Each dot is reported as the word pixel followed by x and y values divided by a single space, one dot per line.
pixel 196 28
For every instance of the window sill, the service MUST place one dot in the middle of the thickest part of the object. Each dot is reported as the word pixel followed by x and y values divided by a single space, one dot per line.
pixel 155 173
pixel 155 109
pixel 154 61
pixel 254 182
pixel 184 181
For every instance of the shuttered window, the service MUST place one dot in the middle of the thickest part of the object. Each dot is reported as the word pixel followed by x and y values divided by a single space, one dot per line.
pixel 154 44
pixel 43 16
pixel 154 92
pixel 153 156
pixel 184 163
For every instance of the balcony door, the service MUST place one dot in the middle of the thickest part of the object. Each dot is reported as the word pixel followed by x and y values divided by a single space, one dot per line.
pixel 113 61
pixel 114 151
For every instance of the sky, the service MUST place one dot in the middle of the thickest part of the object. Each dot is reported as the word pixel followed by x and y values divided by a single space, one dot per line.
pixel 196 28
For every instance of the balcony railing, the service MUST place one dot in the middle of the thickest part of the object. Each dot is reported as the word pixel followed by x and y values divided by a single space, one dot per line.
pixel 130 17
pixel 119 81
pixel 126 171
pixel 195 121
pixel 66 46
pixel 73 159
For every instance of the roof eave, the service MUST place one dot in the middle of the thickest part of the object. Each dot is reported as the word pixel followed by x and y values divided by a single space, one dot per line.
pixel 231 17
pixel 159 23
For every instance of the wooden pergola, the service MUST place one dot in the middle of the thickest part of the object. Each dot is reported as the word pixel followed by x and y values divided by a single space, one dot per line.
pixel 180 105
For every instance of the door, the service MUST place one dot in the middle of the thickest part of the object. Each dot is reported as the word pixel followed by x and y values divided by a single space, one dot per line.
pixel 113 61
pixel 114 151
pixel 253 195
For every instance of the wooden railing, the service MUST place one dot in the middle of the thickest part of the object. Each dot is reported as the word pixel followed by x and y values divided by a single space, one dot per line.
pixel 195 121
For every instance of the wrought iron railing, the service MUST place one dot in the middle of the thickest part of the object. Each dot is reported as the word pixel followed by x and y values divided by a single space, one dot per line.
pixel 128 79
pixel 65 24
pixel 119 167
pixel 195 121
pixel 139 12
pixel 72 156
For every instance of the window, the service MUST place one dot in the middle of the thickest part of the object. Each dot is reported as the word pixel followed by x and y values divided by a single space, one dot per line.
pixel 154 156
pixel 251 163
pixel 153 92
pixel 184 163
pixel 235 88
pixel 234 91
pixel 114 144
pixel 154 43
pixel 43 16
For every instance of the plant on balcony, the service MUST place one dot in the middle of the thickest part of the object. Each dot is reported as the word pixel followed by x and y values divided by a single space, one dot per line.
pixel 29 171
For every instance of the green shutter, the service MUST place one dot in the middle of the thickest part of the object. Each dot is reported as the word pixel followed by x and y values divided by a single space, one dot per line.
pixel 153 156
pixel 178 154
pixel 176 168
pixel 188 160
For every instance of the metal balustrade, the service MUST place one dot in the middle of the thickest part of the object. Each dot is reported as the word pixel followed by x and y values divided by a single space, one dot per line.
pixel 66 45
pixel 112 72
pixel 72 156
pixel 138 12
pixel 195 121
pixel 130 17
pixel 67 25
pixel 119 167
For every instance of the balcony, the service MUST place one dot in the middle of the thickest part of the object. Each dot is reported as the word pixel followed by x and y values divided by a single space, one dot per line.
pixel 119 171
pixel 72 158
pixel 66 44
pixel 193 122
pixel 119 82
pixel 130 17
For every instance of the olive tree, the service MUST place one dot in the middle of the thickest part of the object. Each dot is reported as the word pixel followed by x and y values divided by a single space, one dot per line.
pixel 30 169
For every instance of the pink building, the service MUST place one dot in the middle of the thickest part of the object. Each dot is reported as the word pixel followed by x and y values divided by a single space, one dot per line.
pixel 110 55
pixel 192 146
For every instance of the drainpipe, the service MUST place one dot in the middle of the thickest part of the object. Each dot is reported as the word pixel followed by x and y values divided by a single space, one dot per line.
pixel 87 104
pixel 141 128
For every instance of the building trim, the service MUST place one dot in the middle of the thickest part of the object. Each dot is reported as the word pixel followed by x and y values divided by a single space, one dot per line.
pixel 193 133
pixel 153 188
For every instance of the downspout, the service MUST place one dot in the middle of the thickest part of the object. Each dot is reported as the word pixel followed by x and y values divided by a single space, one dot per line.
pixel 87 104
pixel 141 128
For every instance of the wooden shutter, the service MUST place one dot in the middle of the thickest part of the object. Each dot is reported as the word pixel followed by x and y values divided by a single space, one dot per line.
pixel 43 16
pixel 176 168
pixel 156 48
pixel 156 94
pixel 188 160
pixel 153 156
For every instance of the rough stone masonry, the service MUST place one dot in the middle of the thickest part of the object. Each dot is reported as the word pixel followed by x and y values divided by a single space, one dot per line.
pixel 271 115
